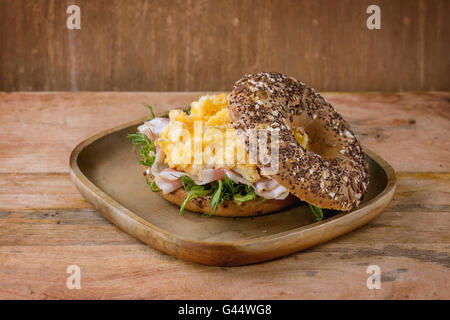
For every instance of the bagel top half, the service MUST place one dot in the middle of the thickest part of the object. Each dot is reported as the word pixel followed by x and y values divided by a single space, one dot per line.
pixel 333 172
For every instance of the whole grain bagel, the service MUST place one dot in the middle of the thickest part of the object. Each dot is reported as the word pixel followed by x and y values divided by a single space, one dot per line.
pixel 228 208
pixel 333 172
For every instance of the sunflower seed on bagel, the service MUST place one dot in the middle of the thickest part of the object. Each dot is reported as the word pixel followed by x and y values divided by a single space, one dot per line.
pixel 332 172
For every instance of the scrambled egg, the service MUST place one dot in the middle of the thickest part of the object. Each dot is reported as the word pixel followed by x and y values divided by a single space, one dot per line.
pixel 205 139
pixel 301 137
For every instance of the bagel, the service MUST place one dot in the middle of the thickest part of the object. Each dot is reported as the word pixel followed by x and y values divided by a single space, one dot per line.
pixel 228 208
pixel 333 172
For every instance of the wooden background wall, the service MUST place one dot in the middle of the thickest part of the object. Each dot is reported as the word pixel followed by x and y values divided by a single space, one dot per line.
pixel 168 45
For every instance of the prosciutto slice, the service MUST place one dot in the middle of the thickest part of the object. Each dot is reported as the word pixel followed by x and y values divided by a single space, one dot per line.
pixel 169 180
pixel 237 178
pixel 270 189
pixel 266 188
pixel 159 164
pixel 209 175
pixel 154 127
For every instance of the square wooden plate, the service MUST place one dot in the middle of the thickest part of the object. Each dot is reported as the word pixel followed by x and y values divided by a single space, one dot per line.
pixel 107 174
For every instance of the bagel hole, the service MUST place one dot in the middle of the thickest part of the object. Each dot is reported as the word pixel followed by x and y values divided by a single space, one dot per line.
pixel 320 140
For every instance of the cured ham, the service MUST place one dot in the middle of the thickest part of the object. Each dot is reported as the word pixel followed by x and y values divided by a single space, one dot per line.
pixel 159 164
pixel 209 175
pixel 169 180
pixel 265 188
pixel 270 189
pixel 237 178
pixel 154 127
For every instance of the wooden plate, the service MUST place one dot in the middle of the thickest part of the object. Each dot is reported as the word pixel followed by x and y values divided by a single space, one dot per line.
pixel 107 174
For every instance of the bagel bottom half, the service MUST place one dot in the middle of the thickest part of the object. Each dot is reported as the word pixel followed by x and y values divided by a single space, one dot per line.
pixel 228 208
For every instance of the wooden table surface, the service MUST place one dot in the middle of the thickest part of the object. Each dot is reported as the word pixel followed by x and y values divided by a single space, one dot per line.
pixel 45 224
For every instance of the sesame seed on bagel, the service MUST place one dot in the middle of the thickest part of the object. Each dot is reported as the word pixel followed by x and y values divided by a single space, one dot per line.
pixel 332 173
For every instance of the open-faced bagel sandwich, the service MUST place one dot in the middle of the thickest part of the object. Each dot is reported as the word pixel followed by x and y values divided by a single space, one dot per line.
pixel 203 159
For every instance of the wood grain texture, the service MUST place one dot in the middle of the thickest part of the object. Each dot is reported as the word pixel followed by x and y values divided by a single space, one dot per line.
pixel 398 127
pixel 107 175
pixel 35 192
pixel 411 247
pixel 45 225
pixel 207 45
pixel 54 192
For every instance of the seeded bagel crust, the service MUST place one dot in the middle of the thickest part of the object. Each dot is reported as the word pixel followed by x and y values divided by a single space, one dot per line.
pixel 333 173
pixel 228 208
